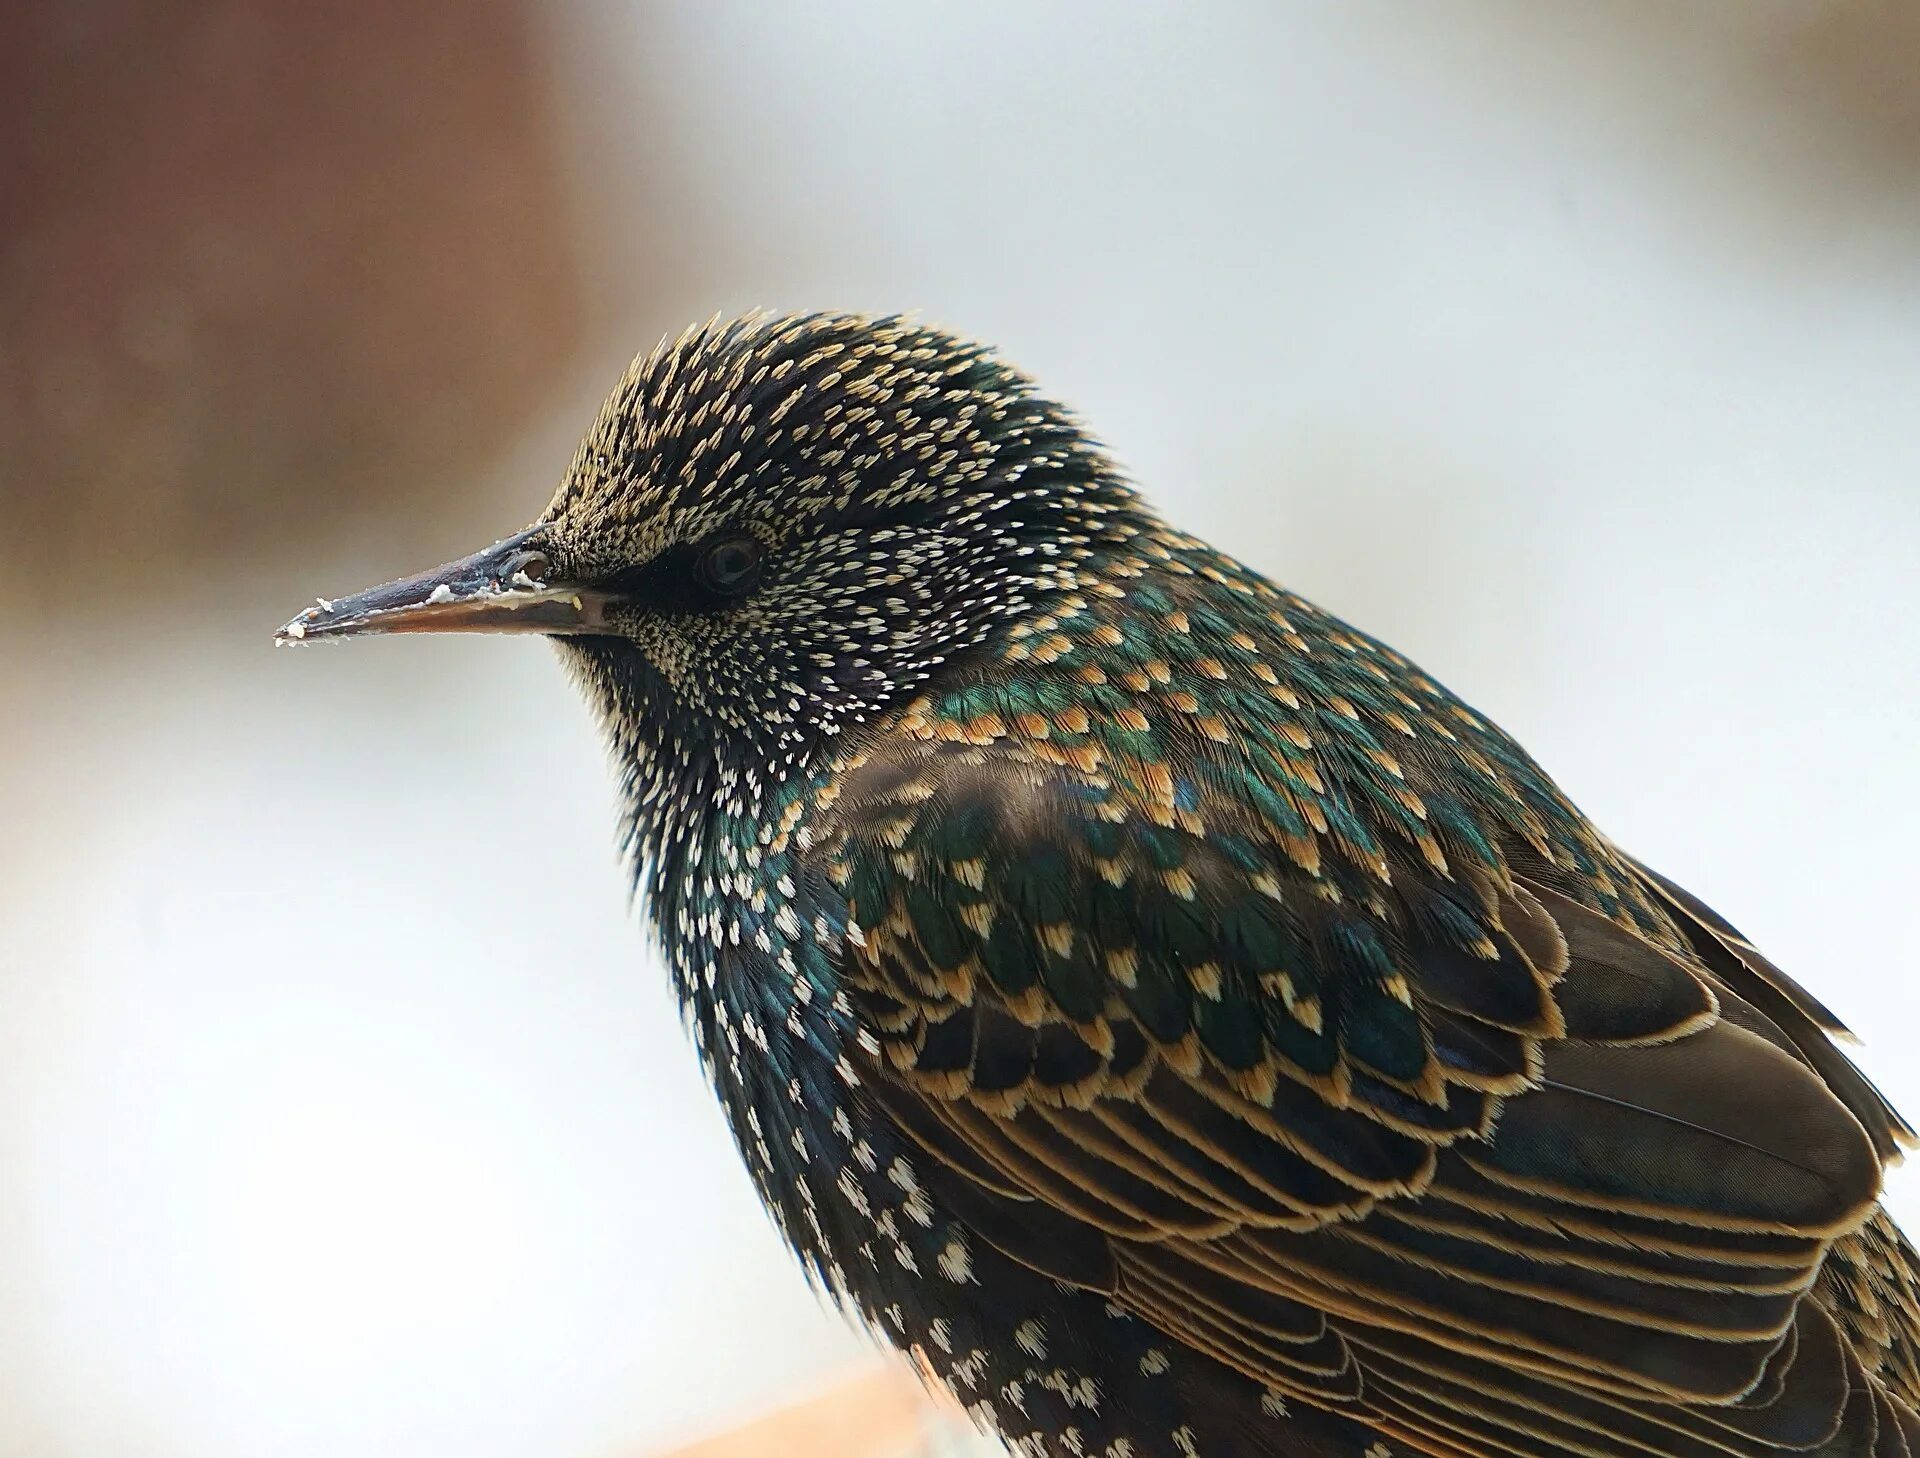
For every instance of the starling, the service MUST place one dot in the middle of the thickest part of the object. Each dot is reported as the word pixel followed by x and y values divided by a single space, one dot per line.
pixel 1161 1009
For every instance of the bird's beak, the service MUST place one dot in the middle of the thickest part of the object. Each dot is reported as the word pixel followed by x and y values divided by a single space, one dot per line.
pixel 503 589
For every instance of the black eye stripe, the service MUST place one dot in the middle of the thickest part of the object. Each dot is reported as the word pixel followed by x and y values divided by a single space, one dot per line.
pixel 692 577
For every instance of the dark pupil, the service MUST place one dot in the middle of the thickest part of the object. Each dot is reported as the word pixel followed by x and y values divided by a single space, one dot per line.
pixel 730 564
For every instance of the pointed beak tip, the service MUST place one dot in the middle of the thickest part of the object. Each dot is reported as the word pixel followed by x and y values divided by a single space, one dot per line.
pixel 291 633
pixel 318 622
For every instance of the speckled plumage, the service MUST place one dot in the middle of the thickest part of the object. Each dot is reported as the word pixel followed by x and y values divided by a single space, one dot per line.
pixel 1161 1008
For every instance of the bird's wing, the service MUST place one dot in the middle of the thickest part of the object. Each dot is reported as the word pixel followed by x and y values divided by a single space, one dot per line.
pixel 1442 1145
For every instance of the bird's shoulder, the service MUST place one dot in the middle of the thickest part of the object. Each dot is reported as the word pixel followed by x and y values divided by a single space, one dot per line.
pixel 1184 819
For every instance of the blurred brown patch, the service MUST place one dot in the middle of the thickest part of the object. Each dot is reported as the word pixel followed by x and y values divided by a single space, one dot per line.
pixel 882 1413
pixel 1852 66
pixel 258 257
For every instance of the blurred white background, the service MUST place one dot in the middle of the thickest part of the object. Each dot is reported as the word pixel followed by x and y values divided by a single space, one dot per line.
pixel 1574 351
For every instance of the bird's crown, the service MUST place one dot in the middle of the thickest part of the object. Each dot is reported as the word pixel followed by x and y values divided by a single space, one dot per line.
pixel 794 426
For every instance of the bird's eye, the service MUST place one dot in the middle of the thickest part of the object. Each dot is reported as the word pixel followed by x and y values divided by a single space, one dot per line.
pixel 731 566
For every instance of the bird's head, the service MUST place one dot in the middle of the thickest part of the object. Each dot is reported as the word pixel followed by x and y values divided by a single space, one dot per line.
pixel 779 526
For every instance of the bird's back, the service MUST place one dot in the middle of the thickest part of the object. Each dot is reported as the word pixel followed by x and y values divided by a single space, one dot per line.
pixel 1210 961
